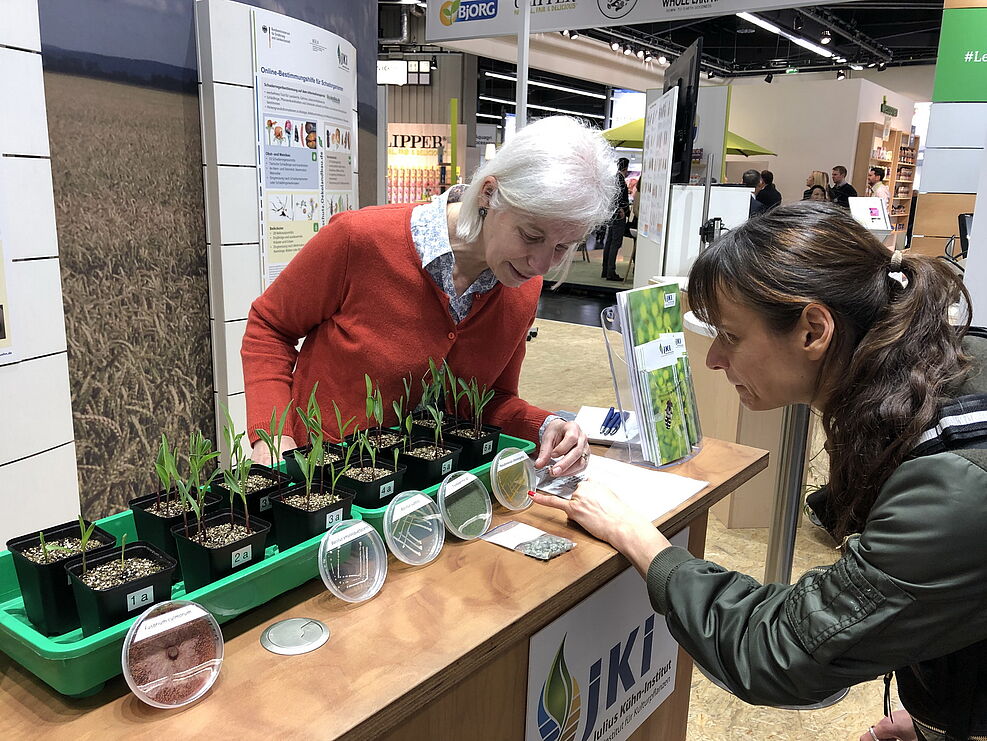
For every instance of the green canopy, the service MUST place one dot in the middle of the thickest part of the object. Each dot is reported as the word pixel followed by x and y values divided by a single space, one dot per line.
pixel 631 135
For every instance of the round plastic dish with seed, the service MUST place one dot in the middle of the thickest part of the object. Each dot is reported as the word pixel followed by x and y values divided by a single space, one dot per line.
pixel 512 476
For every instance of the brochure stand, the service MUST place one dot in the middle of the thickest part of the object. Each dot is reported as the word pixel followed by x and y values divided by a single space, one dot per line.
pixel 631 451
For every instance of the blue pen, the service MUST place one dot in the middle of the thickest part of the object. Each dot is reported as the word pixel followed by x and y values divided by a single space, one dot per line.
pixel 607 421
pixel 618 419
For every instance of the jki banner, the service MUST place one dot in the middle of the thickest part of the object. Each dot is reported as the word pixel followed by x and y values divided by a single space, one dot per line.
pixel 961 69
pixel 453 20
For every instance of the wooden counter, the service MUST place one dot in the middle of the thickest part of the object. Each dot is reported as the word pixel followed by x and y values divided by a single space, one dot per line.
pixel 440 653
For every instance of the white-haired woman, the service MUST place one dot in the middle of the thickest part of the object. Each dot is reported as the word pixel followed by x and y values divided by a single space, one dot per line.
pixel 383 289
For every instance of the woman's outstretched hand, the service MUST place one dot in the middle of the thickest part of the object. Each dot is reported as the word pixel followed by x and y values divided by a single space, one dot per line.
pixel 602 514
pixel 898 726
pixel 261 454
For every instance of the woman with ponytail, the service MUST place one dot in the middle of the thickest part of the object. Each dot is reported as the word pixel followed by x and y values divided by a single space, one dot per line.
pixel 810 308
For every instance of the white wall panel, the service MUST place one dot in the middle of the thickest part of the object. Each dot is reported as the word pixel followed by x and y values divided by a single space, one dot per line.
pixel 229 55
pixel 23 119
pixel 55 495
pixel 37 322
pixel 20 27
pixel 956 125
pixel 237 405
pixel 241 278
pixel 234 368
pixel 951 170
pixel 238 221
pixel 35 406
pixel 237 144
pixel 27 208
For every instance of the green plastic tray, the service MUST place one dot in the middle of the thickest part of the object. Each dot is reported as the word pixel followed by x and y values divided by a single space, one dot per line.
pixel 78 666
pixel 375 517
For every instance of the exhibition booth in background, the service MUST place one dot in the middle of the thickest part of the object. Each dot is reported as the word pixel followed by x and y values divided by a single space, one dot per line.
pixel 156 176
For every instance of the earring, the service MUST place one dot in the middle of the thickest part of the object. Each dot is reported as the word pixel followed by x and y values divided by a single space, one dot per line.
pixel 483 212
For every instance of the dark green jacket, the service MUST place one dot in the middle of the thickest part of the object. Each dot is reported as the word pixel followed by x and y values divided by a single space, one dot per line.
pixel 909 594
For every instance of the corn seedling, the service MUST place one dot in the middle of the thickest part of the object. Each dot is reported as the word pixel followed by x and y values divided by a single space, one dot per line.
pixel 397 453
pixel 123 548
pixel 163 467
pixel 200 454
pixel 477 397
pixel 272 436
pixel 436 413
pixel 308 464
pixel 457 389
pixel 335 475
pixel 433 389
pixel 340 425
pixel 84 534
pixel 375 405
pixel 44 546
pixel 409 423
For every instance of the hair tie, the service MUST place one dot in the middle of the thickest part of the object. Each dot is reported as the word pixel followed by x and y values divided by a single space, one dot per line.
pixel 895 273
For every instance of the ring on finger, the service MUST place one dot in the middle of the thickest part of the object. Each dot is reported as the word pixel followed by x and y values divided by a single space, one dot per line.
pixel 872 734
pixel 585 456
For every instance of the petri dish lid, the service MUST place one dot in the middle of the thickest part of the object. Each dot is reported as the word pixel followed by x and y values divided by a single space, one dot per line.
pixel 172 654
pixel 465 505
pixel 413 528
pixel 352 560
pixel 294 636
pixel 512 476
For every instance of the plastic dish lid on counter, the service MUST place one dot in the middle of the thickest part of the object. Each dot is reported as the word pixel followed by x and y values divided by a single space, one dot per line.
pixel 512 476
pixel 172 654
pixel 413 528
pixel 352 561
pixel 465 505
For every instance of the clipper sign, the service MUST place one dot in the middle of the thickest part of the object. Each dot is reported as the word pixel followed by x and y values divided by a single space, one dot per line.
pixel 454 20
pixel 597 673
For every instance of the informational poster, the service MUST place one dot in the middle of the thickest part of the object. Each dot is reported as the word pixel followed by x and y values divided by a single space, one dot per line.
pixel 6 341
pixel 656 170
pixel 305 97
pixel 596 673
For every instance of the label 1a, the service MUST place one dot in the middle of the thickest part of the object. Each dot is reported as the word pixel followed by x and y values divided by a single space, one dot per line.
pixel 140 598
pixel 241 556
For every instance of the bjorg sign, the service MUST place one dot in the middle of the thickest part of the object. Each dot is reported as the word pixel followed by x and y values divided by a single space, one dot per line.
pixel 595 673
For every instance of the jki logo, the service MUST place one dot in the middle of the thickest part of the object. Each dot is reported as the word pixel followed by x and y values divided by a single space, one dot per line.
pixel 669 300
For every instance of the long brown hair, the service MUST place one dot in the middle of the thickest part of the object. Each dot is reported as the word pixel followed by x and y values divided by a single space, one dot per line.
pixel 894 356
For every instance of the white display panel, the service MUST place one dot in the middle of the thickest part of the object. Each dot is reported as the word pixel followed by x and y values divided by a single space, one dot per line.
pixel 238 222
pixel 54 496
pixel 27 208
pixel 234 368
pixel 35 406
pixel 23 119
pixel 37 323
pixel 685 216
pixel 20 28
pixel 951 170
pixel 950 124
pixel 242 285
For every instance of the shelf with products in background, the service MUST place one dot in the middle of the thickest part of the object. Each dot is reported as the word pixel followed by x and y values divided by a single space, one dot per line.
pixel 895 152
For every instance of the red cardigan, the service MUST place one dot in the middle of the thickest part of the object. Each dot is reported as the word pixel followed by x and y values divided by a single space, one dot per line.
pixel 358 294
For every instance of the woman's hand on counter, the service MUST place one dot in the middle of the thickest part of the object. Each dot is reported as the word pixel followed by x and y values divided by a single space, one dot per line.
pixel 261 454
pixel 602 514
pixel 898 726
pixel 567 442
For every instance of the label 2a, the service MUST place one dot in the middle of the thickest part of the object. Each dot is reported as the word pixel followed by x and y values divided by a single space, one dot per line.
pixel 241 556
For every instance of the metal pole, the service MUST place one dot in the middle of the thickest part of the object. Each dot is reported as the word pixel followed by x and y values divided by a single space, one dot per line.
pixel 522 65
pixel 788 499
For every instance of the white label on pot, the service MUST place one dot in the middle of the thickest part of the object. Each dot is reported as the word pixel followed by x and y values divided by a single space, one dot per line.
pixel 460 482
pixel 265 503
pixel 512 459
pixel 335 516
pixel 411 504
pixel 337 540
pixel 487 446
pixel 167 621
pixel 447 467
pixel 241 556
pixel 140 598
pixel 387 489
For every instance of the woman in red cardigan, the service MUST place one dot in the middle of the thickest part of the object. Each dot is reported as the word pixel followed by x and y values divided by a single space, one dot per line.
pixel 383 289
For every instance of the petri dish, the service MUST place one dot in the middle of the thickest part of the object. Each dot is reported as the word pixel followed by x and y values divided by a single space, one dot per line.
pixel 512 476
pixel 413 528
pixel 465 505
pixel 172 654
pixel 294 636
pixel 352 560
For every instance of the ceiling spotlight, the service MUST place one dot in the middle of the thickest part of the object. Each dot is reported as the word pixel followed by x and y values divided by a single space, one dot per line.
pixel 710 74
pixel 881 66
pixel 871 65
pixel 841 74
pixel 797 23
pixel 825 37
pixel 648 59
pixel 769 78
pixel 573 34
pixel 615 46
pixel 434 64
pixel 662 59
pixel 565 32
pixel 640 53
pixel 628 51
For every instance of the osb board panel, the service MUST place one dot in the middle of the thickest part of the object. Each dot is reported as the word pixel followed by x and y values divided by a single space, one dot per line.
pixel 965 4
pixel 931 246
pixel 936 213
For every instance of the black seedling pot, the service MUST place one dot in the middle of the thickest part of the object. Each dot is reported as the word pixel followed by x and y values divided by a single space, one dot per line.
pixel 103 608
pixel 375 493
pixel 45 587
pixel 423 473
pixel 157 530
pixel 476 452
pixel 420 430
pixel 385 452
pixel 258 501
pixel 291 465
pixel 296 525
pixel 202 565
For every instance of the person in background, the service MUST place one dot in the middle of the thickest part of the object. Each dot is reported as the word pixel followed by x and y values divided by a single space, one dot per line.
pixel 876 187
pixel 768 195
pixel 841 191
pixel 810 308
pixel 816 177
pixel 817 193
pixel 752 179
pixel 382 290
pixel 618 224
